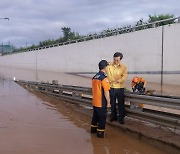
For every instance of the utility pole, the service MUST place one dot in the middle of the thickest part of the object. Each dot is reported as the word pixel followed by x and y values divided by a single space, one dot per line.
pixel 2 48
pixel 2 43
pixel 162 60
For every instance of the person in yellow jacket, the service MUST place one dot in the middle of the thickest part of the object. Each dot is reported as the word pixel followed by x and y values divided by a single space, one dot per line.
pixel 117 75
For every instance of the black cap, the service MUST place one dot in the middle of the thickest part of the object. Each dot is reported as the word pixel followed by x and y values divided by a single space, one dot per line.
pixel 102 64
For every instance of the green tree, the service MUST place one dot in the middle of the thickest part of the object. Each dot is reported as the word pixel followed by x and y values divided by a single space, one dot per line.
pixel 160 17
pixel 69 35
pixel 66 33
pixel 154 18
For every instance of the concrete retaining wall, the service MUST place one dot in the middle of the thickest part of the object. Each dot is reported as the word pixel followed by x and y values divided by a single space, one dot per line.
pixel 142 54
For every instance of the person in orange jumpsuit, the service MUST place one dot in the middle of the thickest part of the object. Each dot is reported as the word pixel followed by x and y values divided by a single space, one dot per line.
pixel 138 84
pixel 101 100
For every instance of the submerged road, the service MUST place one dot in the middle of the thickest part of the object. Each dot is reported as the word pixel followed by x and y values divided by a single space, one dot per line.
pixel 32 124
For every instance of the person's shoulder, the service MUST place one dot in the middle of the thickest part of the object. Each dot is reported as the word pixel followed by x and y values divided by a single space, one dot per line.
pixel 110 65
pixel 142 79
pixel 96 76
pixel 105 81
pixel 123 65
pixel 100 76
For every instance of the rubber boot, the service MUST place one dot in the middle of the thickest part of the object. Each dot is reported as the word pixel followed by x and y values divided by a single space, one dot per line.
pixel 100 133
pixel 93 129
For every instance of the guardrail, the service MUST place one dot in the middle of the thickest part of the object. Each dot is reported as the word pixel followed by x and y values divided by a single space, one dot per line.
pixel 83 95
pixel 112 32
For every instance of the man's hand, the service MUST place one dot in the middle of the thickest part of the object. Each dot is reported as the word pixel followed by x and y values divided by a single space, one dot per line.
pixel 114 82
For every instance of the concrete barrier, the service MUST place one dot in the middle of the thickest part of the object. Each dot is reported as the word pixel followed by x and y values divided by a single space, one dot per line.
pixel 143 53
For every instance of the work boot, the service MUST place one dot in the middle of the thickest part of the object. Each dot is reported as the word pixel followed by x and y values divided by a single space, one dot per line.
pixel 100 133
pixel 93 129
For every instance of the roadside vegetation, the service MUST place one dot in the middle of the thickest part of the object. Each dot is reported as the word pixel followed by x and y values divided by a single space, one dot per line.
pixel 69 35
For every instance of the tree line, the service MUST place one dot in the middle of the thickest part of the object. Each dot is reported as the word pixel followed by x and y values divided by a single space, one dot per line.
pixel 69 35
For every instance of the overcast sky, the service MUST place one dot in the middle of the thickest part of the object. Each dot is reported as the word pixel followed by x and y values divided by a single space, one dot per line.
pixel 35 20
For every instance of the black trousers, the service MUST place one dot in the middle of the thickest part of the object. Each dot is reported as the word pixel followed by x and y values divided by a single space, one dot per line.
pixel 99 117
pixel 117 93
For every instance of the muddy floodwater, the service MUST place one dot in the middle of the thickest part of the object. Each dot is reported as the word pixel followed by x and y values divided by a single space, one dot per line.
pixel 37 124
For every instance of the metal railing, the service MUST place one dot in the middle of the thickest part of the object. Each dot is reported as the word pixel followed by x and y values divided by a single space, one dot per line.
pixel 154 101
pixel 111 32
pixel 83 95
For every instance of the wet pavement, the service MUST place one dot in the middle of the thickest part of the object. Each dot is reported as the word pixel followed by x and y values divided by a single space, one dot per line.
pixel 37 124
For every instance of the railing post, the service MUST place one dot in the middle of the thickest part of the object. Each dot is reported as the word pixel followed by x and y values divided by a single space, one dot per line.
pixel 60 92
pixel 55 82
pixel 77 94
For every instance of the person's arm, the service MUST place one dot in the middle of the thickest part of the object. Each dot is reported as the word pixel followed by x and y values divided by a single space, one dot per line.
pixel 144 83
pixel 106 93
pixel 132 84
pixel 109 74
pixel 106 87
pixel 124 76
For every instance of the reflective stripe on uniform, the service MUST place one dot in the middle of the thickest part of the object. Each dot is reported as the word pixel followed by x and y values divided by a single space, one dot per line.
pixel 100 130
pixel 93 125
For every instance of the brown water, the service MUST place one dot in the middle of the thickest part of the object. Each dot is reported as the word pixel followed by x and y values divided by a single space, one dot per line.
pixel 31 124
